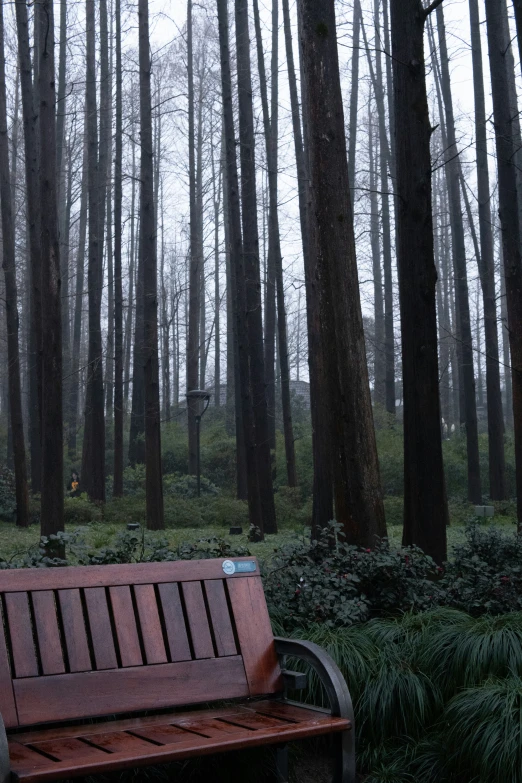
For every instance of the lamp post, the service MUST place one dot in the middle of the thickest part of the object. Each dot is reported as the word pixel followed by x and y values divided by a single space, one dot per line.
pixel 198 397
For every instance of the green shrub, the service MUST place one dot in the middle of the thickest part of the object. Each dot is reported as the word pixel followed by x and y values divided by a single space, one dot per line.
pixel 7 494
pixel 80 511
pixel 224 511
pixel 394 510
pixel 187 486
pixel 290 509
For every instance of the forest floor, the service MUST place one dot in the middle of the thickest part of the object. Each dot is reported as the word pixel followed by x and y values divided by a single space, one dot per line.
pixel 16 542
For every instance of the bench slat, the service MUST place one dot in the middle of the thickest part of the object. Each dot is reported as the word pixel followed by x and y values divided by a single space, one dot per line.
pixel 198 621
pixel 7 701
pixel 163 735
pixel 74 631
pixel 255 635
pixel 125 621
pixel 22 642
pixel 220 616
pixel 174 622
pixel 66 696
pixel 48 633
pixel 121 741
pixel 101 629
pixel 151 632
pixel 68 748
pixel 25 579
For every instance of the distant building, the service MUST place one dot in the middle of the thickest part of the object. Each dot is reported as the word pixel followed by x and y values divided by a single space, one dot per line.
pixel 299 389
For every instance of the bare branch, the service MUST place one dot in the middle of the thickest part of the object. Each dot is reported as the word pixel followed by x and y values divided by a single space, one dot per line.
pixel 432 7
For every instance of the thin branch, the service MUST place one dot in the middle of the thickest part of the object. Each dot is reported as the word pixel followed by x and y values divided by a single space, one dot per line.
pixel 432 7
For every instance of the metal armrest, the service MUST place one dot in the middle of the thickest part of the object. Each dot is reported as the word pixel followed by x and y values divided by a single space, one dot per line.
pixel 338 696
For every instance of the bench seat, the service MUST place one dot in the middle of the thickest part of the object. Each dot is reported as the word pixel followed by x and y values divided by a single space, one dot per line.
pixel 52 754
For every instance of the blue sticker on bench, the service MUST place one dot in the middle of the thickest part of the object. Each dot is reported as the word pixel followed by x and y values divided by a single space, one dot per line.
pixel 239 567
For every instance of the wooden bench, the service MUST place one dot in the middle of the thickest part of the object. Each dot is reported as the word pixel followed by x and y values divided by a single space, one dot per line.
pixel 141 643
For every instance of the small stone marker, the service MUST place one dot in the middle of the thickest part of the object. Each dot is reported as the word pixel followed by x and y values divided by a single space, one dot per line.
pixel 133 526
pixel 236 531
pixel 484 511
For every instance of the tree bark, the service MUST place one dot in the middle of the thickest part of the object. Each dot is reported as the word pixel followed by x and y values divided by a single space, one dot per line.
pixel 425 506
pixel 52 413
pixel 117 489
pixel 74 386
pixel 11 303
pixel 322 494
pixel 149 263
pixel 194 270
pixel 251 268
pixel 32 175
pixel 237 268
pixel 357 491
pixel 497 481
pixel 459 262
pixel 509 213
pixel 93 459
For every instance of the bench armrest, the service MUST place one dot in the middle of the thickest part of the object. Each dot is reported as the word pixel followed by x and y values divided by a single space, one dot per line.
pixel 338 696
pixel 5 765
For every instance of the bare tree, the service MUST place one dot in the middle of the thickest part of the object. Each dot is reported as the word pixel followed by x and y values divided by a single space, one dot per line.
pixel 52 413
pixel 11 303
pixel 357 491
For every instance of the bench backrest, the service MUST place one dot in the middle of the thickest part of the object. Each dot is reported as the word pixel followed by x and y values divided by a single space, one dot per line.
pixel 97 640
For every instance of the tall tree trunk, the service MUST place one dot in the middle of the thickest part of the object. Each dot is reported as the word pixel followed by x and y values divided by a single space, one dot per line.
pixel 509 212
pixel 237 267
pixel 11 303
pixel 32 175
pixel 379 391
pixel 275 287
pixel 357 491
pixel 425 505
pixel 216 200
pixel 74 386
pixel 497 481
pixel 322 503
pixel 354 93
pixel 117 489
pixel 93 459
pixel 251 267
pixel 52 413
pixel 461 278
pixel 274 245
pixel 148 260
pixel 128 320
pixel 194 270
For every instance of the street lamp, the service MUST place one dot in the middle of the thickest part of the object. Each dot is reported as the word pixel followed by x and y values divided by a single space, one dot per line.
pixel 198 397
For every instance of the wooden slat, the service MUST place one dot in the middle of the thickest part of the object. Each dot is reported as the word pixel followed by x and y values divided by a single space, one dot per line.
pixel 69 696
pixel 285 710
pixel 194 746
pixel 47 632
pixel 101 629
pixel 25 579
pixel 7 701
pixel 174 622
pixel 127 724
pixel 197 619
pixel 256 640
pixel 151 632
pixel 74 631
pixel 163 735
pixel 25 760
pixel 67 748
pixel 125 622
pixel 220 617
pixel 22 642
pixel 120 742
pixel 211 727
pixel 256 721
